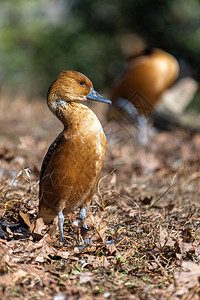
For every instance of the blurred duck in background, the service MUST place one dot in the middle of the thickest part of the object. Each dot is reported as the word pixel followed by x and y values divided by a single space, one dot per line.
pixel 139 89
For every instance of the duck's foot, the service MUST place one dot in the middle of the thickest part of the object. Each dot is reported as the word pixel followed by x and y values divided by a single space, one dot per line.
pixel 77 222
pixel 82 213
pixel 86 242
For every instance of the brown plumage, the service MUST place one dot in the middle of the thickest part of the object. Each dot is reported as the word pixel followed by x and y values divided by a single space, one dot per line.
pixel 72 165
pixel 147 76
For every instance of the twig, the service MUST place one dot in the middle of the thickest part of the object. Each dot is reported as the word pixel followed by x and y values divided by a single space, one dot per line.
pixel 98 187
pixel 167 190
pixel 162 268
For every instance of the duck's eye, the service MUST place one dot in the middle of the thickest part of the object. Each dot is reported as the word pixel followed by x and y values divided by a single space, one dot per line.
pixel 82 83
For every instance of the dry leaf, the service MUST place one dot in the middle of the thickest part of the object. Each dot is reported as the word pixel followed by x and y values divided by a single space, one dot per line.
pixel 187 279
pixel 163 236
pixel 85 277
pixel 26 218
pixel 39 229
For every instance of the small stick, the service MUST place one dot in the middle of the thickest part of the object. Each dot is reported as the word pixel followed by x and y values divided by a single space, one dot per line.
pixel 167 190
pixel 98 188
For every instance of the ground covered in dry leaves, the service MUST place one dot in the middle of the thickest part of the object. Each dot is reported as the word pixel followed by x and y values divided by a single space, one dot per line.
pixel 144 220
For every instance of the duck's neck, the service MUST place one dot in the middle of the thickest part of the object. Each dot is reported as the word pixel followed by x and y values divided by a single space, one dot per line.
pixel 69 113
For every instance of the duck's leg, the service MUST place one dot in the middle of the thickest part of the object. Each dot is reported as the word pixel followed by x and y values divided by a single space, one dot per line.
pixel 142 130
pixel 82 216
pixel 61 222
pixel 128 107
pixel 82 213
pixel 134 116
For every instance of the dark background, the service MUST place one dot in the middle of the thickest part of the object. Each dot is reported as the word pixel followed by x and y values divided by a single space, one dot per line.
pixel 38 39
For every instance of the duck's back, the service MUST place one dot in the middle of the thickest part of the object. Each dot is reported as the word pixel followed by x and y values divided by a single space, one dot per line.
pixel 145 80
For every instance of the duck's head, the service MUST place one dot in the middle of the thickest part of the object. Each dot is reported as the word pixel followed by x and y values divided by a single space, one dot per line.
pixel 72 86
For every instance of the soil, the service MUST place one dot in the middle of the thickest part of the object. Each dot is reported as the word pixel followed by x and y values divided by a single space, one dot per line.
pixel 143 222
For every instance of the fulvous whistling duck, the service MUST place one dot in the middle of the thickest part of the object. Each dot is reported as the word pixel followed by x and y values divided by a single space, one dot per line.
pixel 140 87
pixel 72 165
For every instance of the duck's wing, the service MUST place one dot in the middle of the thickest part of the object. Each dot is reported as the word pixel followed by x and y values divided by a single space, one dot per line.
pixel 49 154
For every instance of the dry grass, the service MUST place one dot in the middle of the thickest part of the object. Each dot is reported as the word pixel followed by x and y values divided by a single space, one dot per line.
pixel 143 221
